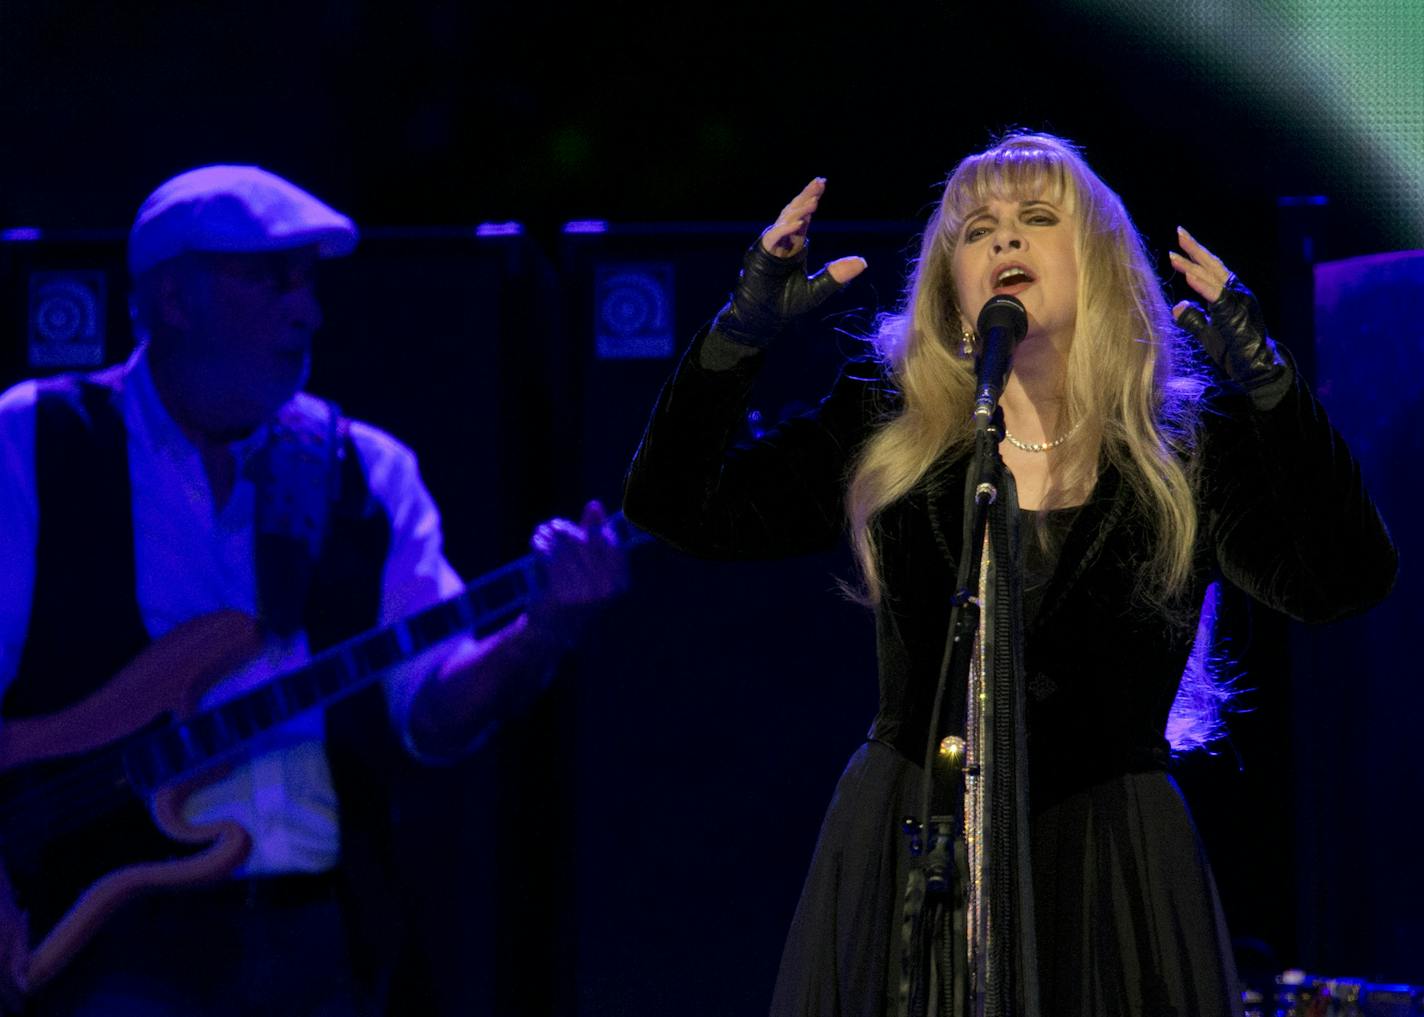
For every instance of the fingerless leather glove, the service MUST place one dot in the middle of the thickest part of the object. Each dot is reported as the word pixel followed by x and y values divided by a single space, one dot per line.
pixel 1233 332
pixel 770 294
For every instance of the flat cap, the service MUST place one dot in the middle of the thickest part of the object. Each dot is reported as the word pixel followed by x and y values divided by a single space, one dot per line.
pixel 233 208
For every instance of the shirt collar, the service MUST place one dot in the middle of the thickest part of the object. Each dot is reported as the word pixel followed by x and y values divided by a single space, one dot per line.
pixel 144 414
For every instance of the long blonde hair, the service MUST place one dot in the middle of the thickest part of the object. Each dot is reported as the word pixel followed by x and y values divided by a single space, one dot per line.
pixel 1131 388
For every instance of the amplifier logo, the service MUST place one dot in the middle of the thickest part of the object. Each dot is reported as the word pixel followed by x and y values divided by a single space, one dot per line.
pixel 67 319
pixel 633 311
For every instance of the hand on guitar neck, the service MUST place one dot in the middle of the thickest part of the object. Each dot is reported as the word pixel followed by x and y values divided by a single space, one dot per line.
pixel 577 567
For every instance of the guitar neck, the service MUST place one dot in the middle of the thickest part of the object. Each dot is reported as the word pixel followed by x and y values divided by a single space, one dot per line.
pixel 157 757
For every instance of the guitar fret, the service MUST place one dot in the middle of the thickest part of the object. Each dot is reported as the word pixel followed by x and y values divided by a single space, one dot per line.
pixel 464 611
pixel 474 602
pixel 171 754
pixel 184 736
pixel 240 716
pixel 143 765
pixel 498 601
pixel 428 627
pixel 379 651
pixel 458 615
pixel 283 704
pixel 206 731
pixel 504 594
pixel 226 734
pixel 405 645
pixel 264 709
pixel 302 690
pixel 329 674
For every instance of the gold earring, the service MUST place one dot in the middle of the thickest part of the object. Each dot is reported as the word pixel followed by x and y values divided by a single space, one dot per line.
pixel 966 341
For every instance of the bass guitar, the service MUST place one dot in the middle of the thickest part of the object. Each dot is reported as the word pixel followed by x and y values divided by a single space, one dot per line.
pixel 120 765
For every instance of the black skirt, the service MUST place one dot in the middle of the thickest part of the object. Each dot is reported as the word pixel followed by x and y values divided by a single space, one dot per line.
pixel 1128 920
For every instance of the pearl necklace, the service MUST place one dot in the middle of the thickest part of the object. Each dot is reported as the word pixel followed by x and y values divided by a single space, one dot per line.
pixel 1041 446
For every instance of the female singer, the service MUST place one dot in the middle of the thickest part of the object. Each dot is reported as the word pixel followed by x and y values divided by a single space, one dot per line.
pixel 1146 461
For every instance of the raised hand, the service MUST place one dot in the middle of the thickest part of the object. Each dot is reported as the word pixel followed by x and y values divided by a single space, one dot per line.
pixel 773 289
pixel 1232 329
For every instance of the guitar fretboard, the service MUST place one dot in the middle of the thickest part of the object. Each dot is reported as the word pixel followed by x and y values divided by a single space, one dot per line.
pixel 157 757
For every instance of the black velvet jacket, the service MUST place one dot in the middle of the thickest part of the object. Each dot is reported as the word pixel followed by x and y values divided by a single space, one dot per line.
pixel 1283 511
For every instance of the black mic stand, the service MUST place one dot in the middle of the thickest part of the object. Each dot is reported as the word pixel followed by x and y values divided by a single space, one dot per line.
pixel 943 851
pixel 937 912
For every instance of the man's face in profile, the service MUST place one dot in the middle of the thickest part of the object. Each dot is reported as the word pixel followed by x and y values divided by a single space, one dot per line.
pixel 251 322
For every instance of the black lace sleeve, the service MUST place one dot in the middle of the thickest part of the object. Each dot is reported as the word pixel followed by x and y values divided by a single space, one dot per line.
pixel 1286 510
pixel 695 485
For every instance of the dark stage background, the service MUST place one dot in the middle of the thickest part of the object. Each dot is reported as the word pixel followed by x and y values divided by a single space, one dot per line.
pixel 636 844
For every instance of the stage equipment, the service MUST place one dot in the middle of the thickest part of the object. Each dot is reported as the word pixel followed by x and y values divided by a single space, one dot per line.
pixel 1298 994
pixel 1360 885
pixel 63 301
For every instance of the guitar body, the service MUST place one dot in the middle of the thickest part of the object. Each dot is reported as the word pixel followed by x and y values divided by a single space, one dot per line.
pixel 79 840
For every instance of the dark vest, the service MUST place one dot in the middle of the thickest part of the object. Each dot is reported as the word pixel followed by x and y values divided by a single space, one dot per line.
pixel 85 623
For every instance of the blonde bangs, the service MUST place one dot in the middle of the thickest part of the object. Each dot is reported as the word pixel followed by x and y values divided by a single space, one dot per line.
pixel 1020 169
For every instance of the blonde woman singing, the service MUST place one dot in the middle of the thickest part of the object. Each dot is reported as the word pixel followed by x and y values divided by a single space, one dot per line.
pixel 1149 457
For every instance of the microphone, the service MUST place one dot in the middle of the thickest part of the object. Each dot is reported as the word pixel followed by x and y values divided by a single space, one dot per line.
pixel 1002 323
